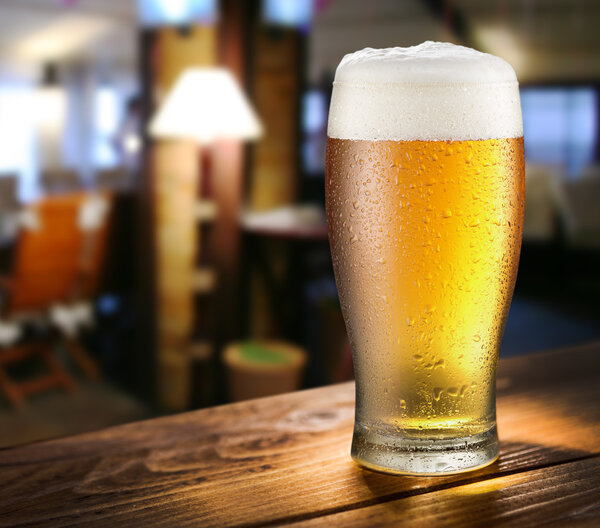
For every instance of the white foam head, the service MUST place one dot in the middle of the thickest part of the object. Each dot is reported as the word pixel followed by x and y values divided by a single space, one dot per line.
pixel 433 91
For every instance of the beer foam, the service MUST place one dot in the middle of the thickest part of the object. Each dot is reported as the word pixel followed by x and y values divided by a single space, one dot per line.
pixel 433 91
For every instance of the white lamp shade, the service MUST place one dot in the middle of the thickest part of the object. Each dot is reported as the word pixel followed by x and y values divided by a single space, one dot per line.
pixel 206 104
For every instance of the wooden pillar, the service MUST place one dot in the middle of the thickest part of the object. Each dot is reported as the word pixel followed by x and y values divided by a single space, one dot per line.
pixel 175 165
pixel 277 81
pixel 174 173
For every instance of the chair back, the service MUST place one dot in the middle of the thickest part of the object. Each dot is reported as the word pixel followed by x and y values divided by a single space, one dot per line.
pixel 60 250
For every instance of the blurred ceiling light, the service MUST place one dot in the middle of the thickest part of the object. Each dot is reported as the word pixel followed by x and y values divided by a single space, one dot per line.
pixel 288 12
pixel 50 106
pixel 132 143
pixel 502 42
pixel 206 104
pixel 66 34
pixel 50 110
pixel 176 12
pixel 50 99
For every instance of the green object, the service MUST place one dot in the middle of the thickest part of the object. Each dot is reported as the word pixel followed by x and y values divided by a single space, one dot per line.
pixel 256 353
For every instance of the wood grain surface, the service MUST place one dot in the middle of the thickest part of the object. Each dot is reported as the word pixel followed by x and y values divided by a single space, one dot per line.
pixel 285 460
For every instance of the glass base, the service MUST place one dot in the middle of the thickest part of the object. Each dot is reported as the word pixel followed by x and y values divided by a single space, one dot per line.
pixel 423 456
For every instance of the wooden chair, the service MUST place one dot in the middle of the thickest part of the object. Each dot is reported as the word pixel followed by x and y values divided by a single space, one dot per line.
pixel 57 261
pixel 76 311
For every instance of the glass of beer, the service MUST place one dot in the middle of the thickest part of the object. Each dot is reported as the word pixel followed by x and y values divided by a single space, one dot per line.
pixel 425 200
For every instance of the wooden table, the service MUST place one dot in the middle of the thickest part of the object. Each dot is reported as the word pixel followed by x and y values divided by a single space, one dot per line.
pixel 285 460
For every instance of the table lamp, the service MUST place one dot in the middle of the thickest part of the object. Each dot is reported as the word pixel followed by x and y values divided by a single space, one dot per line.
pixel 206 105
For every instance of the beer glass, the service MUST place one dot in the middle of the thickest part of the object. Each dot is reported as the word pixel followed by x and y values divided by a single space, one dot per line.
pixel 425 202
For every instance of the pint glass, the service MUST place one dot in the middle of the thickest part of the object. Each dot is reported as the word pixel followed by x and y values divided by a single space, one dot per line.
pixel 425 202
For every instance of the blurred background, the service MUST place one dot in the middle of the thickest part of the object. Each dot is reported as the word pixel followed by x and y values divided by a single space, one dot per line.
pixel 162 237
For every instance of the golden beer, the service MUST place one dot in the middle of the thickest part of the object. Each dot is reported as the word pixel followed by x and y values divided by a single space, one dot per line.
pixel 425 238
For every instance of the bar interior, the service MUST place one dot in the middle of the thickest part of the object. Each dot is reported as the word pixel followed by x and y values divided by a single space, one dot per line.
pixel 163 235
